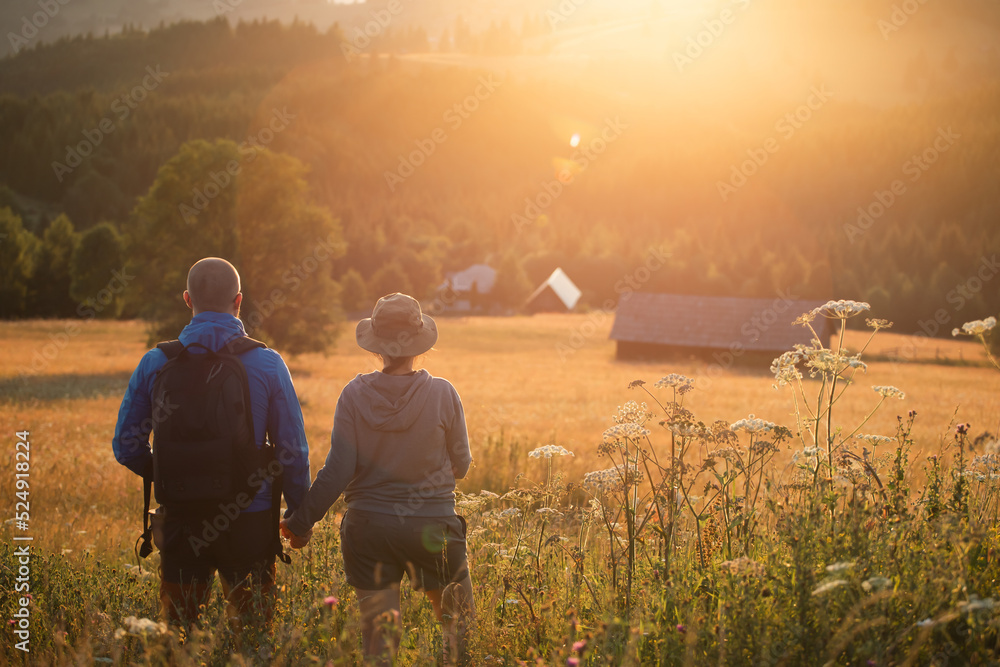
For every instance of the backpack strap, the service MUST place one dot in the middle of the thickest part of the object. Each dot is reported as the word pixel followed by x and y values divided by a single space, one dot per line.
pixel 238 346
pixel 242 344
pixel 171 348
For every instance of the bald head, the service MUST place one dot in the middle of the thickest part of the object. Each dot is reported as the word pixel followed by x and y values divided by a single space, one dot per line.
pixel 213 284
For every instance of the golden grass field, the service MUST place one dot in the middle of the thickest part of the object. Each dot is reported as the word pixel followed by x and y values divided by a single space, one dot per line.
pixel 508 371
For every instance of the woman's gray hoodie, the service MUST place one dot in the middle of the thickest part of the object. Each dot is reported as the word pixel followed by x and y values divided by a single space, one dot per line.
pixel 398 444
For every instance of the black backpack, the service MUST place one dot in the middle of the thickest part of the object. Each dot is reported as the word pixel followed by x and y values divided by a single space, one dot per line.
pixel 204 450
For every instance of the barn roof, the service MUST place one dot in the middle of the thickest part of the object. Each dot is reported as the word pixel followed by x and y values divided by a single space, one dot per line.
pixel 482 275
pixel 715 322
pixel 563 287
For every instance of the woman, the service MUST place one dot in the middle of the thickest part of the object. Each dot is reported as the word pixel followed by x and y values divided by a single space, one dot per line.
pixel 399 443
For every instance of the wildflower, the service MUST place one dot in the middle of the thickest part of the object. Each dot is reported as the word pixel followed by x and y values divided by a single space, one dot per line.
pixel 611 478
pixel 548 510
pixel 331 601
pixel 488 494
pixel 975 327
pixel 926 623
pixel 743 565
pixel 674 380
pixel 875 440
pixel 510 513
pixel 548 451
pixel 876 583
pixel 753 425
pixel 976 604
pixel 572 662
pixel 140 626
pixel 841 309
pixel 623 431
pixel 889 391
pixel 512 601
pixel 784 368
pixel 828 586
pixel 681 628
pixel 687 429
pixel 632 413
pixel 579 646
pixel 878 325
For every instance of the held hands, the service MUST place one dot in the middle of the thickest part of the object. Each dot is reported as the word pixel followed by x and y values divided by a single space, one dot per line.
pixel 296 541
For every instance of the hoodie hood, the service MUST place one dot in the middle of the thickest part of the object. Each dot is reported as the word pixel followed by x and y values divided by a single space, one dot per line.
pixel 390 402
pixel 213 330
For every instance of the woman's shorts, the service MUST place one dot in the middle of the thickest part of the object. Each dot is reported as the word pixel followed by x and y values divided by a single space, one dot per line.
pixel 378 548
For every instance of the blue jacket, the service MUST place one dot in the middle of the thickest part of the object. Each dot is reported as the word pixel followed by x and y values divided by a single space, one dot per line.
pixel 275 407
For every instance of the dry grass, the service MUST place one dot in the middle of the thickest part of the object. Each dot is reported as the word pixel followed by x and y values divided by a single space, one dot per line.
pixel 507 370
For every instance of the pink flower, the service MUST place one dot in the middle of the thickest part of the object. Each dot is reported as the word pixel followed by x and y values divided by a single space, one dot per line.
pixel 579 646
pixel 331 601
pixel 680 628
pixel 572 662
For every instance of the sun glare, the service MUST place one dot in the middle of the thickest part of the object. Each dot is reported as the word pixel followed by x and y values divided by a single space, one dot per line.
pixel 574 141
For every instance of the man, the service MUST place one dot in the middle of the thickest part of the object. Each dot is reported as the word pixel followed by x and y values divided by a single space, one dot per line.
pixel 238 538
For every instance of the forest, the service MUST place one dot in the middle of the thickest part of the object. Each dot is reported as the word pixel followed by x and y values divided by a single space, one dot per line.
pixel 113 146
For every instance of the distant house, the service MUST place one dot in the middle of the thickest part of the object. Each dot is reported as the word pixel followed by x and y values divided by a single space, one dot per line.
pixel 557 294
pixel 463 291
pixel 651 325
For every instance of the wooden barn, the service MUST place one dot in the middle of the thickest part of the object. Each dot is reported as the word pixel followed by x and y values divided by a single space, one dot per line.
pixel 557 294
pixel 650 326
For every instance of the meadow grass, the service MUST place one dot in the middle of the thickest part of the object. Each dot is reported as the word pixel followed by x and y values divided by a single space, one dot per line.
pixel 912 581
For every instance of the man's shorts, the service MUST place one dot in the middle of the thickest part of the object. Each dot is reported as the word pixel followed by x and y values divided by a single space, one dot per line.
pixel 378 548
pixel 192 546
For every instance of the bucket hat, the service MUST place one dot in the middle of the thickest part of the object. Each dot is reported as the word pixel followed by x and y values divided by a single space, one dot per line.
pixel 397 328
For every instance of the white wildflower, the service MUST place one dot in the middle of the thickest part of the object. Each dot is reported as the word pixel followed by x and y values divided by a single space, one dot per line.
pixel 547 511
pixel 141 626
pixel 841 309
pixel 875 440
pixel 548 451
pixel 753 425
pixel 975 327
pixel 488 494
pixel 611 478
pixel 623 431
pixel 510 513
pixel 976 604
pixel 828 586
pixel 674 380
pixel 889 391
pixel 784 368
pixel 926 623
pixel 876 583
pixel 833 568
pixel 632 413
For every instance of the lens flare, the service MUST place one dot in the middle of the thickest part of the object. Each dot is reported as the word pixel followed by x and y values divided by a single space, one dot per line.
pixel 574 141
